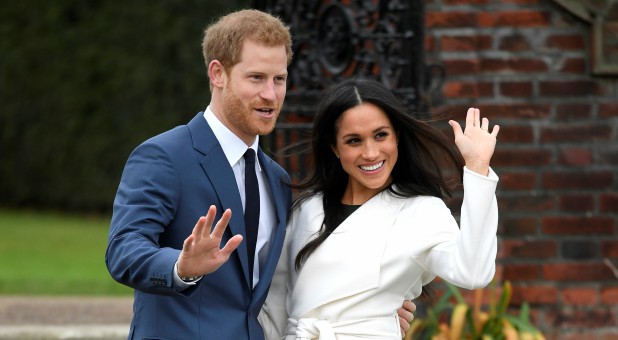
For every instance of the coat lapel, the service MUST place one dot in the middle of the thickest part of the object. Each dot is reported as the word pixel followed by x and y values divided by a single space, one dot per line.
pixel 221 176
pixel 354 249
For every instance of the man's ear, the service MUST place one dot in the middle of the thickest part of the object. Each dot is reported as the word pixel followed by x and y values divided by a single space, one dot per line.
pixel 216 73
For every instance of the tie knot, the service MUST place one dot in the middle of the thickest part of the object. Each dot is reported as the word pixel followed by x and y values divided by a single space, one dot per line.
pixel 250 156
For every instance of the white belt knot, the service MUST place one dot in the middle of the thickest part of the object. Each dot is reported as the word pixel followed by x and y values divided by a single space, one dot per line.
pixel 310 328
pixel 382 328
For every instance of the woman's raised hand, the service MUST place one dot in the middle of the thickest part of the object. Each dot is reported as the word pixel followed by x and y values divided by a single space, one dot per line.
pixel 476 143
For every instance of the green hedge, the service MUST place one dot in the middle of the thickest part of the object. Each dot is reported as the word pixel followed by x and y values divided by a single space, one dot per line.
pixel 83 82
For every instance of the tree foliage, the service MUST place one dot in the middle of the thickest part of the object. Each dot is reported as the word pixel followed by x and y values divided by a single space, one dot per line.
pixel 83 82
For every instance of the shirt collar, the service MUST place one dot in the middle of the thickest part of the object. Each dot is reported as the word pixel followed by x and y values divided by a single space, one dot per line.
pixel 233 147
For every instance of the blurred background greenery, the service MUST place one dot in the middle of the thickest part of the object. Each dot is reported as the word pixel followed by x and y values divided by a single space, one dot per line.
pixel 82 83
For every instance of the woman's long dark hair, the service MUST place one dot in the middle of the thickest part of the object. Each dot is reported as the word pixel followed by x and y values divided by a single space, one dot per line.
pixel 426 165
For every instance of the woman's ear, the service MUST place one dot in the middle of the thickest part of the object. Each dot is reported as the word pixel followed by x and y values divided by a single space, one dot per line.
pixel 334 151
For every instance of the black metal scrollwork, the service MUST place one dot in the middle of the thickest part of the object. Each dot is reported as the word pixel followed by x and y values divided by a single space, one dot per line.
pixel 333 40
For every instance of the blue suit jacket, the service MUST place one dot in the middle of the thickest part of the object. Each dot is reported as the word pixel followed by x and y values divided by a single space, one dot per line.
pixel 168 182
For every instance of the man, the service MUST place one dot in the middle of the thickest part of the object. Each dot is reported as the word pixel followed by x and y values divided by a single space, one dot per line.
pixel 186 286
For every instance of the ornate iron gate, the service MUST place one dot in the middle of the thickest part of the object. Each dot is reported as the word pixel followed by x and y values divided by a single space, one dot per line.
pixel 334 40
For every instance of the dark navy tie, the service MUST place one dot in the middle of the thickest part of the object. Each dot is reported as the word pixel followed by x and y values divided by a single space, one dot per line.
pixel 252 207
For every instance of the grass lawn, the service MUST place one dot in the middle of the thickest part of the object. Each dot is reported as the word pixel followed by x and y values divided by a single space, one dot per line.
pixel 54 254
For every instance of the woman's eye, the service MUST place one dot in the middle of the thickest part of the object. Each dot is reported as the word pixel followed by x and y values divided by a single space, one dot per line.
pixel 381 135
pixel 353 141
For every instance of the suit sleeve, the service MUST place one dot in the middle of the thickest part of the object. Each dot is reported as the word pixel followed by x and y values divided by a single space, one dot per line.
pixel 144 206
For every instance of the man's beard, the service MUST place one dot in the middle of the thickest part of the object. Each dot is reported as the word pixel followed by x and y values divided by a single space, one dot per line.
pixel 243 117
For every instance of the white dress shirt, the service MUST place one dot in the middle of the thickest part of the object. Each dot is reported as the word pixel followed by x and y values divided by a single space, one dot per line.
pixel 234 149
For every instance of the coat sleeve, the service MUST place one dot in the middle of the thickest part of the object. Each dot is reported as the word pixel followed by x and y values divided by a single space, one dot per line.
pixel 464 255
pixel 273 316
pixel 144 206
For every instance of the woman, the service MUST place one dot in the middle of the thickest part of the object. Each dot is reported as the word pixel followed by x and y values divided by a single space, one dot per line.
pixel 371 228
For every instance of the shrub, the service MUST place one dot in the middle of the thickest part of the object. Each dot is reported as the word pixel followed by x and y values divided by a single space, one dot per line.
pixel 472 322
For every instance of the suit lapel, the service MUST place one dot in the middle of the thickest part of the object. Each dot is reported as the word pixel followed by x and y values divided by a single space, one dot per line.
pixel 279 198
pixel 221 176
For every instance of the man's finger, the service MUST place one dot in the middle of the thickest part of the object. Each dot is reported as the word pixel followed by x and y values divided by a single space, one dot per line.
pixel 210 218
pixel 409 306
pixel 188 243
pixel 231 245
pixel 198 230
pixel 217 232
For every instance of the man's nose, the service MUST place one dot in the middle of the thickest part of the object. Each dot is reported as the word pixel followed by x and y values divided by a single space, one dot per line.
pixel 268 92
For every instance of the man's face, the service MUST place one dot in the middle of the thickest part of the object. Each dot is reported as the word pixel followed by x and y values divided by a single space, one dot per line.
pixel 254 90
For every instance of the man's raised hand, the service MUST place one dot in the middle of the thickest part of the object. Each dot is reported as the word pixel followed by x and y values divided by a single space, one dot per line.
pixel 200 253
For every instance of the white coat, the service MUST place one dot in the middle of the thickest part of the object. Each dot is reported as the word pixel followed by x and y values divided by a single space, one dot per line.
pixel 351 286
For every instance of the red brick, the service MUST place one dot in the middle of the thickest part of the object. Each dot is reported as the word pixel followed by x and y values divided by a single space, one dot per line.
pixel 567 42
pixel 584 318
pixel 579 296
pixel 466 43
pixel 517 181
pixel 518 157
pixel 575 157
pixel 526 203
pixel 523 111
pixel 608 335
pixel 565 271
pixel 450 19
pixel 513 19
pixel 574 88
pixel 516 89
pixel 609 202
pixel 466 2
pixel 587 180
pixel 609 295
pixel 461 66
pixel 521 272
pixel 576 202
pixel 513 65
pixel 515 133
pixel 430 43
pixel 574 65
pixel 574 335
pixel 529 249
pixel 608 110
pixel 577 225
pixel 515 43
pixel 610 249
pixel 520 2
pixel 535 295
pixel 608 157
pixel 519 226
pixel 468 89
pixel 576 133
pixel 573 111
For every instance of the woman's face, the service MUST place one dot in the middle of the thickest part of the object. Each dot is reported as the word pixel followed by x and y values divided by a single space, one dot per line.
pixel 366 145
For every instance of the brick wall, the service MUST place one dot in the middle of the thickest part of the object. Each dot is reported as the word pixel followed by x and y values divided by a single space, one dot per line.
pixel 527 65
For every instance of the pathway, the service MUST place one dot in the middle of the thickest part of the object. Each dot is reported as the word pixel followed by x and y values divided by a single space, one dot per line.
pixel 65 317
